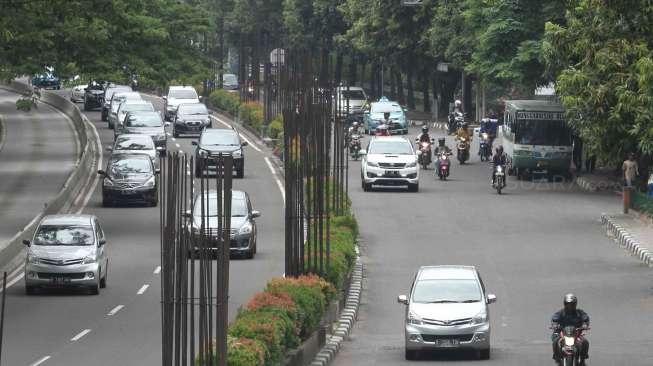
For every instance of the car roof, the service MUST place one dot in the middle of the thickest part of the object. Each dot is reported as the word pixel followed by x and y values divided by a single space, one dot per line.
pixel 536 105
pixel 125 156
pixel 217 131
pixel 67 219
pixel 235 194
pixel 180 87
pixel 389 138
pixel 135 136
pixel 447 272
pixel 187 104
pixel 344 88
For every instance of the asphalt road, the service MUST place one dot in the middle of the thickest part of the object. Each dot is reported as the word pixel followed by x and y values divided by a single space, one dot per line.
pixel 68 328
pixel 532 244
pixel 36 157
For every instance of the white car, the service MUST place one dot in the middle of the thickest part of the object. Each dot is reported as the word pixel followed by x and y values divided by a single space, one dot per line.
pixel 178 95
pixel 389 161
pixel 77 94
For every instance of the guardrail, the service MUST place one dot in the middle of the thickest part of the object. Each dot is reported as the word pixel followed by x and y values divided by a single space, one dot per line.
pixel 12 251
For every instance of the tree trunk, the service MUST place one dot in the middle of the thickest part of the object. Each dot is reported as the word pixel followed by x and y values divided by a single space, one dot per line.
pixel 409 85
pixel 436 93
pixel 393 84
pixel 425 91
pixel 400 87
pixel 338 71
pixel 353 68
pixel 373 87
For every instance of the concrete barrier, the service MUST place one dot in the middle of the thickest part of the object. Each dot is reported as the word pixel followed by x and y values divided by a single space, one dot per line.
pixel 12 252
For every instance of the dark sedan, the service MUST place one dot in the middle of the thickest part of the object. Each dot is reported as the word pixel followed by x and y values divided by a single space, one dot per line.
pixel 46 81
pixel 93 96
pixel 216 141
pixel 129 178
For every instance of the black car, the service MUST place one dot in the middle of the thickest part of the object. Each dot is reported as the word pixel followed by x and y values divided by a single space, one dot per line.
pixel 129 178
pixel 243 226
pixel 93 96
pixel 191 119
pixel 46 81
pixel 216 141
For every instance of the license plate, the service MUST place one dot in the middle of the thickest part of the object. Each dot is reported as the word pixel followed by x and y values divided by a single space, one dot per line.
pixel 447 342
pixel 127 192
pixel 391 173
pixel 60 280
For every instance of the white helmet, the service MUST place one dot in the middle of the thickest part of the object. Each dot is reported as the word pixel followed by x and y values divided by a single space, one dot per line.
pixel 457 103
pixel 355 124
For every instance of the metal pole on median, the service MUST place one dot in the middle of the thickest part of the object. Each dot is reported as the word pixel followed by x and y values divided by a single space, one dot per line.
pixel 627 197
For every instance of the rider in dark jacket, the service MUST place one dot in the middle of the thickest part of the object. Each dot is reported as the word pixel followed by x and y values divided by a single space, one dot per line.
pixel 425 137
pixel 569 316
pixel 499 158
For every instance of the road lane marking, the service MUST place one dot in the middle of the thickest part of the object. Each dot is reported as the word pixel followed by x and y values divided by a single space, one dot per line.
pixel 40 361
pixel 115 310
pixel 157 270
pixel 241 135
pixel 178 146
pixel 276 178
pixel 142 289
pixel 173 139
pixel 80 335
pixel 181 151
pixel 169 134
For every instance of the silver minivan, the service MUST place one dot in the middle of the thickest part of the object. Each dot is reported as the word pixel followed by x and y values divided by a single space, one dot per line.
pixel 447 308
pixel 67 251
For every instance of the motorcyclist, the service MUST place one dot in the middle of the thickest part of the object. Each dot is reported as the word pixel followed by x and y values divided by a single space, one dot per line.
pixel 383 129
pixel 569 315
pixel 488 126
pixel 463 133
pixel 499 159
pixel 440 149
pixel 354 129
pixel 457 110
pixel 425 137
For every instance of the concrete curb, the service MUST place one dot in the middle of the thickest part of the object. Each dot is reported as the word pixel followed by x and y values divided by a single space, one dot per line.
pixel 348 317
pixel 589 186
pixel 626 240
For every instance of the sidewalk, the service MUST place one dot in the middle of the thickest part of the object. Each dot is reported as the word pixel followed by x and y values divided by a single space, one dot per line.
pixel 601 180
pixel 633 232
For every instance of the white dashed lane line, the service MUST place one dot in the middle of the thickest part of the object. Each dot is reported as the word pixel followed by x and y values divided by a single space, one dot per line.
pixel 142 289
pixel 157 270
pixel 80 335
pixel 40 361
pixel 115 310
pixel 241 135
pixel 178 146
pixel 276 178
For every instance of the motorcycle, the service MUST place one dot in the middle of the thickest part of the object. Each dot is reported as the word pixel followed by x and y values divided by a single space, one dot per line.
pixel 571 339
pixel 443 168
pixel 499 178
pixel 355 146
pixel 463 150
pixel 425 153
pixel 485 148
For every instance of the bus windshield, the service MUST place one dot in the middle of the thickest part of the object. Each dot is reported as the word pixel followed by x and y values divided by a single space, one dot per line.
pixel 539 132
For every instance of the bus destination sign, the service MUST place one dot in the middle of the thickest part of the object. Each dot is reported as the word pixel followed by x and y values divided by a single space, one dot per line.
pixel 548 116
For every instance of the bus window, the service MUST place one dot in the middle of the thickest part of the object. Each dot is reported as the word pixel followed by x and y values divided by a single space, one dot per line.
pixel 538 132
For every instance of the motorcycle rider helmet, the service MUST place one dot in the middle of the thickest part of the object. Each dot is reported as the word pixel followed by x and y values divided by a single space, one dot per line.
pixel 570 302
pixel 465 125
pixel 499 150
pixel 457 103
pixel 425 129
pixel 441 141
pixel 355 124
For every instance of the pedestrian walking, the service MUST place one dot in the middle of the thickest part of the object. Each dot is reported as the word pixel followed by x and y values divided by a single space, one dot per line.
pixel 630 170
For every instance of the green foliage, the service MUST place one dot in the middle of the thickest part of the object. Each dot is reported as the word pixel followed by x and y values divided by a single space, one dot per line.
pixel 267 327
pixel 25 104
pixel 604 61
pixel 226 101
pixel 643 203
pixel 275 128
pixel 342 236
pixel 245 352
pixel 309 298
pixel 251 113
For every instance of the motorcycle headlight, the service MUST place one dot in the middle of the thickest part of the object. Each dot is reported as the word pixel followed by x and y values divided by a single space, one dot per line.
pixel 485 136
pixel 107 182
pixel 371 163
pixel 480 318
pixel 203 153
pixel 569 341
pixel 411 165
pixel 245 229
pixel 150 182
pixel 499 169
pixel 89 260
pixel 414 319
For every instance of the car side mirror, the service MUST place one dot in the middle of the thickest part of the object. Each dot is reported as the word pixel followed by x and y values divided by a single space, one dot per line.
pixel 27 242
pixel 157 171
pixel 256 214
pixel 244 143
pixel 101 242
pixel 402 299
pixel 200 97
pixel 165 98
pixel 101 172
pixel 194 143
pixel 491 298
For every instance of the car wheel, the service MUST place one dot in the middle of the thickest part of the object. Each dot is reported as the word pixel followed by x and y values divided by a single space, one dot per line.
pixel 30 290
pixel 95 289
pixel 103 117
pixel 154 202
pixel 174 133
pixel 484 354
pixel 250 254
pixel 413 187
pixel 198 171
pixel 367 187
pixel 411 355
pixel 106 202
pixel 110 125
pixel 103 280
pixel 85 106
pixel 240 173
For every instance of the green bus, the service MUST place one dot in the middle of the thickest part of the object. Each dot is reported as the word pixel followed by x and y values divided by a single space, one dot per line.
pixel 536 138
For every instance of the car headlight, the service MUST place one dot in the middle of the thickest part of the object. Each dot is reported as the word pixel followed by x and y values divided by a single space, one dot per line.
pixel 150 182
pixel 237 153
pixel 480 318
pixel 89 260
pixel 33 259
pixel 414 319
pixel 203 153
pixel 107 182
pixel 245 229
pixel 171 108
pixel 411 165
pixel 372 163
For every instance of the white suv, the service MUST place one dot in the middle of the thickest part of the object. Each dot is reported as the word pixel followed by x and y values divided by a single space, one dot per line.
pixel 176 96
pixel 390 161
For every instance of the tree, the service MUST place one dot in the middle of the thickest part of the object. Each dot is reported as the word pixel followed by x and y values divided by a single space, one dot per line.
pixel 604 61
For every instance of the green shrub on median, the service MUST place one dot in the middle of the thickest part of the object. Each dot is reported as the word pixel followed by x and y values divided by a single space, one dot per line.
pixel 226 101
pixel 251 114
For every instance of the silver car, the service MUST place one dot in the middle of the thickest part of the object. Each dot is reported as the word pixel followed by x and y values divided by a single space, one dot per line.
pixel 135 144
pixel 126 107
pixel 116 100
pixel 447 309
pixel 67 251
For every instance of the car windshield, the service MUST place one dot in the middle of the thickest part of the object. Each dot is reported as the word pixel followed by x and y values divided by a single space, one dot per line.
pixel 238 207
pixel 115 103
pixel 111 91
pixel 192 109
pixel 64 235
pixel 210 139
pixel 390 147
pixel 123 167
pixel 446 291
pixel 385 107
pixel 96 86
pixel 182 94
pixel 352 94
pixel 144 120
pixel 230 79
pixel 131 143
pixel 538 132
pixel 137 107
